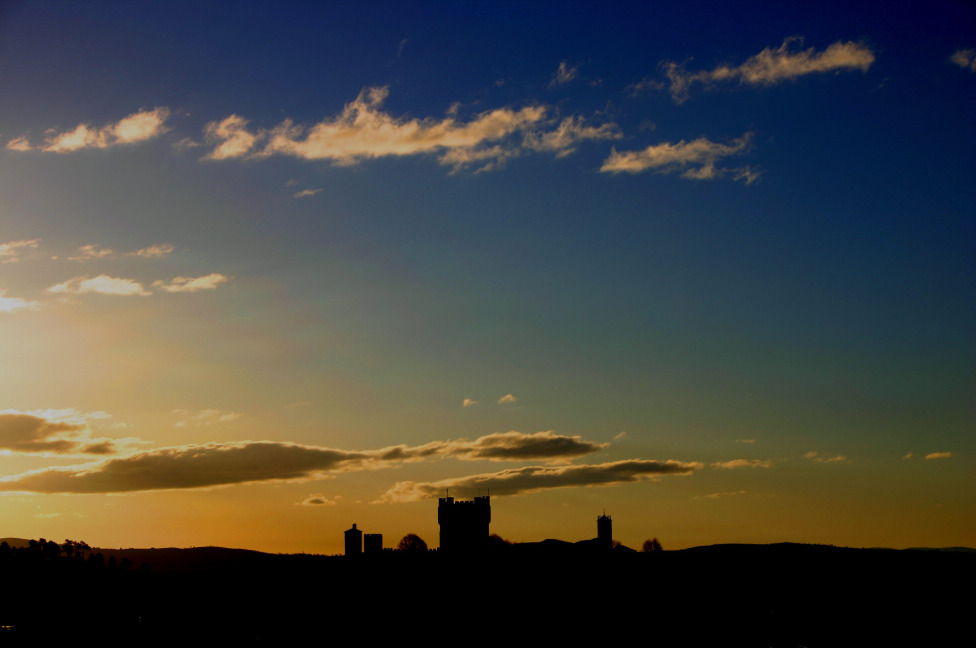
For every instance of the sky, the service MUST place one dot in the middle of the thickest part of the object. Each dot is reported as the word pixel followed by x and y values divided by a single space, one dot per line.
pixel 271 269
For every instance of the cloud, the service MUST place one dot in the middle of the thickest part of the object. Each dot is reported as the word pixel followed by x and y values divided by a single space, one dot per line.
pixel 14 251
pixel 519 446
pixel 137 127
pixel 192 284
pixel 718 495
pixel 749 441
pixel 14 304
pixel 204 417
pixel 938 455
pixel 89 252
pixel 50 432
pixel 742 463
pixel 813 455
pixel 235 140
pixel 620 436
pixel 772 66
pixel 698 159
pixel 19 144
pixel 517 481
pixel 192 466
pixel 158 251
pixel 964 58
pixel 102 284
pixel 468 402
pixel 363 131
pixel 564 74
pixel 318 500
pixel 907 455
pixel 305 193
pixel 507 398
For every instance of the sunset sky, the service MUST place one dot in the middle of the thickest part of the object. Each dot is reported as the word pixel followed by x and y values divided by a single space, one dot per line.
pixel 270 270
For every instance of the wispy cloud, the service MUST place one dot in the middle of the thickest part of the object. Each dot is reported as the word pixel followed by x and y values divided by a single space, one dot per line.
pixel 50 432
pixel 102 284
pixel 742 463
pixel 14 251
pixel 137 127
pixel 529 479
pixel 318 500
pixel 772 66
pixel 507 398
pixel 720 495
pixel 519 446
pixel 364 131
pixel 191 284
pixel 965 58
pixel 207 417
pixel 813 455
pixel 697 159
pixel 564 74
pixel 92 251
pixel 468 402
pixel 938 455
pixel 14 304
pixel 305 193
pixel 748 441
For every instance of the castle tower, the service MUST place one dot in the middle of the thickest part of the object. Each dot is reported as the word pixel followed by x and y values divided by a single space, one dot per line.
pixel 464 524
pixel 604 531
pixel 354 541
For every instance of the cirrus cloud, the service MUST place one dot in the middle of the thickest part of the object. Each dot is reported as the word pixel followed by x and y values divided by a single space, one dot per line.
pixel 742 463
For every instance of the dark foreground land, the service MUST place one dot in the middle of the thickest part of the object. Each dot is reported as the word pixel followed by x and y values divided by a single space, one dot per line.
pixel 726 595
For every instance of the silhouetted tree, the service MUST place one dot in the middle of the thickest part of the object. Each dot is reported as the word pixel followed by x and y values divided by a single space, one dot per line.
pixel 651 545
pixel 412 543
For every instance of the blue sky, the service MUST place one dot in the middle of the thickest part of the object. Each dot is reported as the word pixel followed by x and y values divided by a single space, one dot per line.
pixel 250 248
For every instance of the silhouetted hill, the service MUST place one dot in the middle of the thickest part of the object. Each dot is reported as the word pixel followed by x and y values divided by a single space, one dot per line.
pixel 782 595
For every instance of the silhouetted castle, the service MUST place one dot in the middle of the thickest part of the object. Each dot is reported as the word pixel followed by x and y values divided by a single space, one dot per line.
pixel 464 524
pixel 604 531
pixel 354 541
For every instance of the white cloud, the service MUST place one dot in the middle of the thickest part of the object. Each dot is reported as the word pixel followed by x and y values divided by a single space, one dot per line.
pixel 772 66
pixel 938 455
pixel 363 131
pixel 964 58
pixel 468 402
pixel 742 463
pixel 102 284
pixel 697 158
pixel 564 74
pixel 191 284
pixel 137 127
pixel 305 193
pixel 14 304
pixel 14 251
pixel 507 398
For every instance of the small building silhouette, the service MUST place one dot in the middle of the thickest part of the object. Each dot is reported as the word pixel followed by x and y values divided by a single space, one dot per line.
pixel 373 543
pixel 464 524
pixel 354 541
pixel 604 531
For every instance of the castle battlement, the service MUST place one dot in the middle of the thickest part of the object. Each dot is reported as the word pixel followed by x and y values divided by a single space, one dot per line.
pixel 464 523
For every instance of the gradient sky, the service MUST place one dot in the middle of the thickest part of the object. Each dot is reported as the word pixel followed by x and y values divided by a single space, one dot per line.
pixel 269 270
